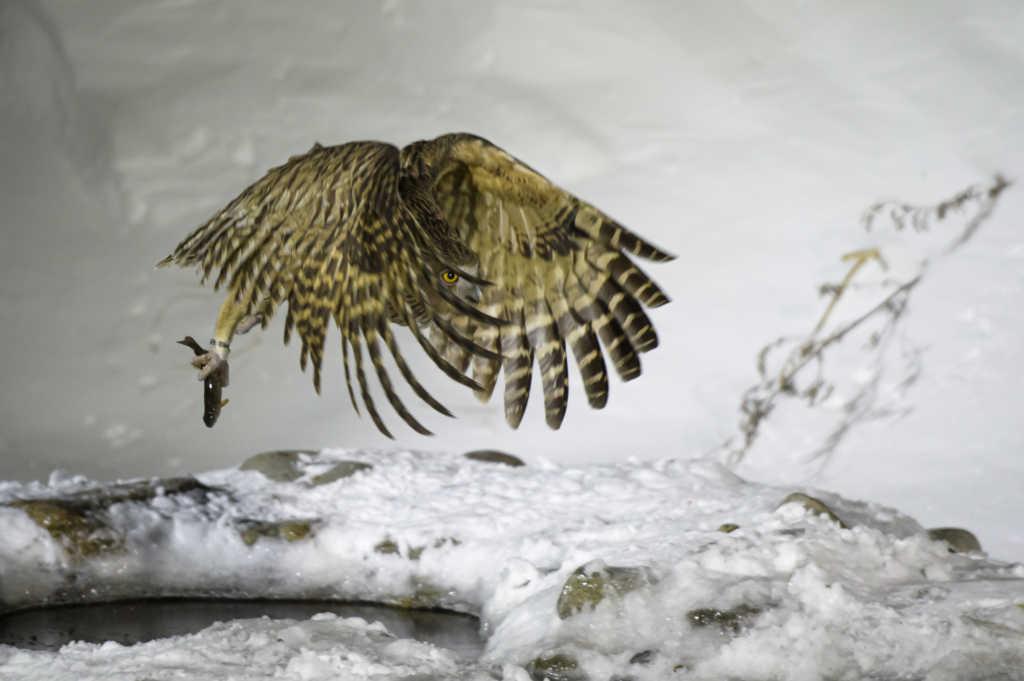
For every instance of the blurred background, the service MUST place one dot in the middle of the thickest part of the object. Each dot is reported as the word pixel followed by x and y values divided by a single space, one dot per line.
pixel 747 138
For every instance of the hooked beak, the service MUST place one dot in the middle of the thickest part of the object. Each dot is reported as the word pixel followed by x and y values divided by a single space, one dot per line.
pixel 475 295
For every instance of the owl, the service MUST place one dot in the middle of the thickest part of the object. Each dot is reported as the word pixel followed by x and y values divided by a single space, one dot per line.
pixel 491 267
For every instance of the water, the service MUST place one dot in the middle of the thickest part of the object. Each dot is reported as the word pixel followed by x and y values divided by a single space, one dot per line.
pixel 129 622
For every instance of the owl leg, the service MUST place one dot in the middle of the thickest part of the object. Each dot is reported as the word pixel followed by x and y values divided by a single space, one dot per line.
pixel 231 320
pixel 246 324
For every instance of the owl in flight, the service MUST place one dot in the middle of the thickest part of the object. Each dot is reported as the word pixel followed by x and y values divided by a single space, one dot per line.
pixel 488 263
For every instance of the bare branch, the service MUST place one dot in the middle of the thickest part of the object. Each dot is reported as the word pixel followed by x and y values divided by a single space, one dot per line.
pixel 760 400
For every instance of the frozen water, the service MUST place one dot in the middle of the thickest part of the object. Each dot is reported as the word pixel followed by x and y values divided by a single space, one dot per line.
pixel 321 648
pixel 137 621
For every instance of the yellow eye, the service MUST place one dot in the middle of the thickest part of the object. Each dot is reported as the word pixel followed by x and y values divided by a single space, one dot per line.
pixel 449 277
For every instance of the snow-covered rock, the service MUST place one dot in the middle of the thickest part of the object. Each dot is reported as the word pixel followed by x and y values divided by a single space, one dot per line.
pixel 629 569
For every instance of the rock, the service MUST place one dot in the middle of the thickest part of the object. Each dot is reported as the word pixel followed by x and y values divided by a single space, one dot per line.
pixel 643 657
pixel 344 469
pixel 77 534
pixel 494 456
pixel 555 668
pixel 278 466
pixel 728 527
pixel 389 546
pixel 580 589
pixel 290 530
pixel 590 583
pixel 959 540
pixel 438 543
pixel 78 521
pixel 144 490
pixel 386 547
pixel 735 619
pixel 815 506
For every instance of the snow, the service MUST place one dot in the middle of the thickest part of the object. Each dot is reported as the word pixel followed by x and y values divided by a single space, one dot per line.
pixel 745 138
pixel 324 647
pixel 808 598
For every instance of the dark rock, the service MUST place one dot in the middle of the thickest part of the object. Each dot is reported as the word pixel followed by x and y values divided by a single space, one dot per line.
pixel 252 531
pixel 792 532
pixel 734 620
pixel 494 456
pixel 555 668
pixel 279 466
pixel 78 522
pixel 438 543
pixel 386 547
pixel 590 583
pixel 815 506
pixel 91 501
pixel 959 540
pixel 344 469
pixel 79 534
pixel 643 657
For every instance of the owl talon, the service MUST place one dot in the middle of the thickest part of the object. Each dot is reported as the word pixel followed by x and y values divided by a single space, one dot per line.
pixel 212 361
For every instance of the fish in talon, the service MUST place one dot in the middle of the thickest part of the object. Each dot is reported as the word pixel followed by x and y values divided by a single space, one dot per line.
pixel 213 384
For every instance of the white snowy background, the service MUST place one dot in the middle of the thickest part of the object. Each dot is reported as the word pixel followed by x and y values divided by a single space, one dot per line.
pixel 745 137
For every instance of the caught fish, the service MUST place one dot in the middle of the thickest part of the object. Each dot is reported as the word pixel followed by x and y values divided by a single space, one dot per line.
pixel 212 386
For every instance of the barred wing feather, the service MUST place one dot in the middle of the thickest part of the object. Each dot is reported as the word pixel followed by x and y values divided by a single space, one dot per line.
pixel 328 234
pixel 561 274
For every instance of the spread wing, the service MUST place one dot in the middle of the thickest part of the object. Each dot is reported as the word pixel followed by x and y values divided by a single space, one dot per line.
pixel 328 233
pixel 561 273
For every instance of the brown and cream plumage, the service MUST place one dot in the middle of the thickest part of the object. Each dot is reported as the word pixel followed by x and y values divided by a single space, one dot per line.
pixel 487 262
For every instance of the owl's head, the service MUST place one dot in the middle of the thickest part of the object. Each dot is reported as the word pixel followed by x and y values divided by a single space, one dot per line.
pixel 461 286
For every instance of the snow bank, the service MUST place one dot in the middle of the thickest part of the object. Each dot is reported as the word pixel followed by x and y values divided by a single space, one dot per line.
pixel 642 569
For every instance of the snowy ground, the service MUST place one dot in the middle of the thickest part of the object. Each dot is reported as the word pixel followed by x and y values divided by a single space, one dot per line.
pixel 745 139
pixel 610 571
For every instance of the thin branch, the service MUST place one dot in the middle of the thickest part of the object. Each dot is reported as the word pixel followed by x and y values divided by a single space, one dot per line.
pixel 759 401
